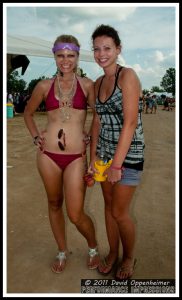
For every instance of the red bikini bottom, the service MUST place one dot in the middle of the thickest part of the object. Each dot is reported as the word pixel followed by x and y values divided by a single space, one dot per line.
pixel 62 160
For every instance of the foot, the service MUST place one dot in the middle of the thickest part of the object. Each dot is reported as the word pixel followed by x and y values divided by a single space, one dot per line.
pixel 106 266
pixel 59 263
pixel 125 271
pixel 93 258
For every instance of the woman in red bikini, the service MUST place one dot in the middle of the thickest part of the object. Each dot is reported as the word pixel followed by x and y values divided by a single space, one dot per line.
pixel 61 158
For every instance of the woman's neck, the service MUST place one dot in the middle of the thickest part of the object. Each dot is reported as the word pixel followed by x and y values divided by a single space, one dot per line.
pixel 110 71
pixel 67 76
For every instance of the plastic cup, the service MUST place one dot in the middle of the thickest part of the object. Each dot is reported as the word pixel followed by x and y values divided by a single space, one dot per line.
pixel 101 166
pixel 10 113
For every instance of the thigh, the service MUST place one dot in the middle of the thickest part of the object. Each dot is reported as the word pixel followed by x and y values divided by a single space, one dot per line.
pixel 51 175
pixel 74 186
pixel 107 192
pixel 121 198
pixel 117 197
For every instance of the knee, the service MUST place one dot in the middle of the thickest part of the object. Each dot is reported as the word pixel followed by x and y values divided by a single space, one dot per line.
pixel 75 218
pixel 119 216
pixel 54 204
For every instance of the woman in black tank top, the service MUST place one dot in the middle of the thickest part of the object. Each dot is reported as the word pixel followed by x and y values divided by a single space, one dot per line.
pixel 117 137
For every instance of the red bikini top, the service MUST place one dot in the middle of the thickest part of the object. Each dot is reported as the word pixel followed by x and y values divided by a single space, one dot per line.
pixel 79 99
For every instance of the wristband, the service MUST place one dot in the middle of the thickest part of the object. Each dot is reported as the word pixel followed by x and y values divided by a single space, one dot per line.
pixel 35 140
pixel 116 168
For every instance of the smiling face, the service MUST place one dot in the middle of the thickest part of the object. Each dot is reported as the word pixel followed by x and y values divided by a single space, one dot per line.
pixel 105 51
pixel 66 60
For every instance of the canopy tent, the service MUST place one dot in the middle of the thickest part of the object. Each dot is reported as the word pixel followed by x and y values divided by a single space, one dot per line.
pixel 32 46
pixel 159 94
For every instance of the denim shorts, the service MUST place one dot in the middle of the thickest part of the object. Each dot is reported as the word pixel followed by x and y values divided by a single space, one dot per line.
pixel 130 177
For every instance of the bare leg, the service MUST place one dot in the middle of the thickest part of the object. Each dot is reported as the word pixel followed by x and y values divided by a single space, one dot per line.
pixel 74 198
pixel 52 177
pixel 111 229
pixel 122 196
pixel 111 225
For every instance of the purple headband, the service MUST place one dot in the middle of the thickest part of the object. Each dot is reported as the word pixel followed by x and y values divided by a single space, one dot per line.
pixel 63 46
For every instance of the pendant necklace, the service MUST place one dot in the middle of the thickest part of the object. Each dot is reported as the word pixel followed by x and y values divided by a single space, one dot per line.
pixel 65 100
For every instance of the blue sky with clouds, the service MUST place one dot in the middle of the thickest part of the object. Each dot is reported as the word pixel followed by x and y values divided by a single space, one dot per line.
pixel 148 32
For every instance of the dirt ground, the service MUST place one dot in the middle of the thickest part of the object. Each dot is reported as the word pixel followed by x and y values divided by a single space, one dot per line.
pixel 31 247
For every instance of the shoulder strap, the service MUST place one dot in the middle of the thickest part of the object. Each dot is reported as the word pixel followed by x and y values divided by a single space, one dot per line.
pixel 100 84
pixel 117 75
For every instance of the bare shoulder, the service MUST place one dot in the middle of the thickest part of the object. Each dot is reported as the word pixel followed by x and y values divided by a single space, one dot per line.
pixel 85 81
pixel 97 82
pixel 128 72
pixel 127 75
pixel 41 89
pixel 87 85
pixel 45 83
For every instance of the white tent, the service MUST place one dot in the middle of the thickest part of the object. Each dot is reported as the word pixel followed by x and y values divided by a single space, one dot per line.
pixel 158 94
pixel 32 46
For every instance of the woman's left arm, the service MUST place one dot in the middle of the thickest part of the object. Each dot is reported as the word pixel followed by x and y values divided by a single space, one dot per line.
pixel 90 100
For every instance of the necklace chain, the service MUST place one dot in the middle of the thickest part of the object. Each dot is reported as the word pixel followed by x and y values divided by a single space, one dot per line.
pixel 66 98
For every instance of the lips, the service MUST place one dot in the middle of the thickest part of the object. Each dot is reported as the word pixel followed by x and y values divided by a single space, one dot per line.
pixel 65 67
pixel 103 60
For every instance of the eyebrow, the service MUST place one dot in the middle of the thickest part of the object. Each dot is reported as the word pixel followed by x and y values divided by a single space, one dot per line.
pixel 97 46
pixel 68 54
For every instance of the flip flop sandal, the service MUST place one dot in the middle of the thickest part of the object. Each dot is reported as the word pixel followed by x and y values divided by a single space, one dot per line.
pixel 111 266
pixel 59 262
pixel 91 255
pixel 126 269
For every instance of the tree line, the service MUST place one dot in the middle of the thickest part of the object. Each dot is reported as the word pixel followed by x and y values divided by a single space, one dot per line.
pixel 17 85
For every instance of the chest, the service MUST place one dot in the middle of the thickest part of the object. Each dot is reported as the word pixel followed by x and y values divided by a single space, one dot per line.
pixel 106 89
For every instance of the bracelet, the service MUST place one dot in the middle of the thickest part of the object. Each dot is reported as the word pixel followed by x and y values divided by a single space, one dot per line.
pixel 35 140
pixel 116 168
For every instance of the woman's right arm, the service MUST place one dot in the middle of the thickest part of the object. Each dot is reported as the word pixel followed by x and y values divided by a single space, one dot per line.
pixel 36 98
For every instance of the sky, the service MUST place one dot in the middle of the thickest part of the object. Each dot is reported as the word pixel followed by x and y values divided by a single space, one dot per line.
pixel 148 32
pixel 150 44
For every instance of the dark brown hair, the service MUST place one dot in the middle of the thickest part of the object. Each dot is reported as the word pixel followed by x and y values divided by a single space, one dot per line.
pixel 108 31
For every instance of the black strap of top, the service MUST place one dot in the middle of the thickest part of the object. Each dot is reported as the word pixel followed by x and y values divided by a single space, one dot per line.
pixel 100 85
pixel 116 75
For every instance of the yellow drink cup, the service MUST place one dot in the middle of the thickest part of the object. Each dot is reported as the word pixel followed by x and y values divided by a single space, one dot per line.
pixel 101 166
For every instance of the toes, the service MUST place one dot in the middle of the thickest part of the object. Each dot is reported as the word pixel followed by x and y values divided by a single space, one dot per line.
pixel 58 267
pixel 126 270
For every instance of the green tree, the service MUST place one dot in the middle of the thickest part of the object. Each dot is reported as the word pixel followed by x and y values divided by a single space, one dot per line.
pixel 145 92
pixel 156 89
pixel 168 81
pixel 14 84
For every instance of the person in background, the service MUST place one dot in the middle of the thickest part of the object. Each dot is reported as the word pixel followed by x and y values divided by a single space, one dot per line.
pixel 10 98
pixel 117 135
pixel 154 104
pixel 148 102
pixel 61 147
